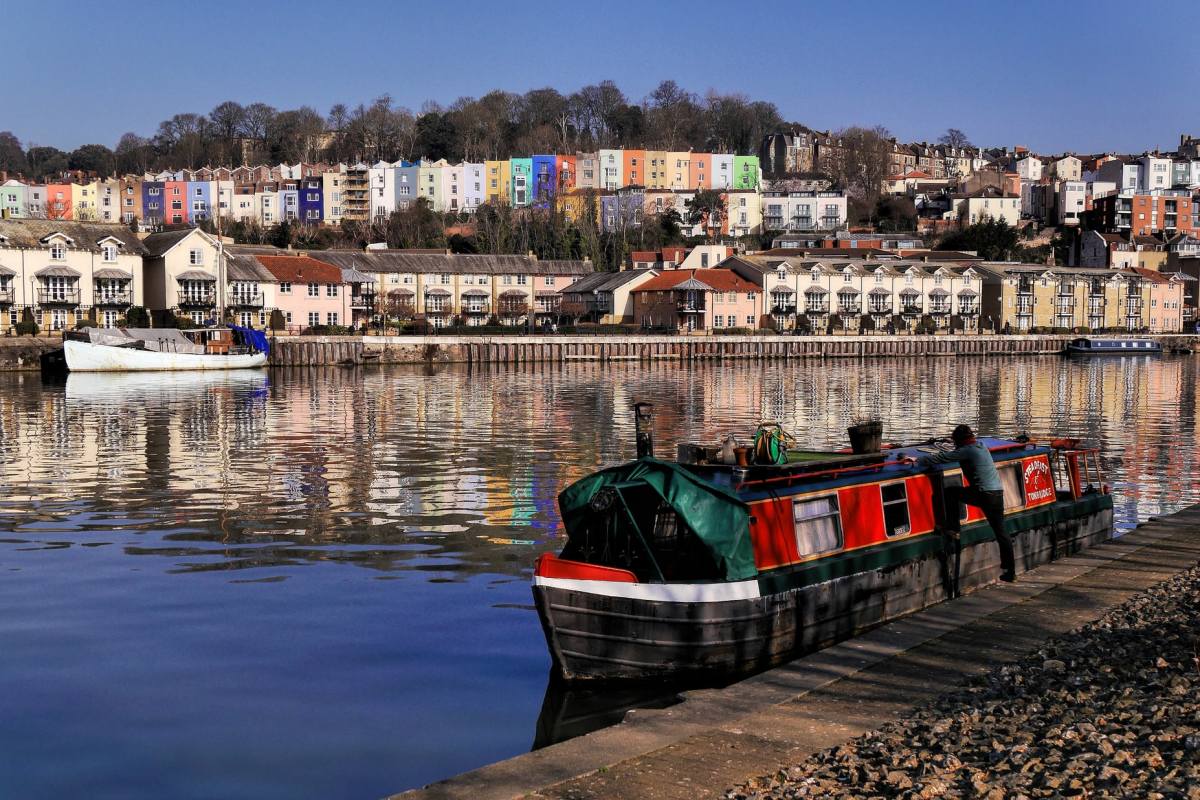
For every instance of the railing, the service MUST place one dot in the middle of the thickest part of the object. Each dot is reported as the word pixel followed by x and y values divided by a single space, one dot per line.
pixel 939 308
pixel 816 308
pixel 364 300
pixel 241 300
pixel 7 297
pixel 437 308
pixel 58 297
pixel 783 309
pixel 910 308
pixel 849 308
pixel 970 310
pixel 690 307
pixel 879 308
pixel 113 299
pixel 1024 307
pixel 195 299
pixel 476 308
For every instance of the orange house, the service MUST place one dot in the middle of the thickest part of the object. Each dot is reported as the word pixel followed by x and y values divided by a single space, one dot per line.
pixel 635 167
pixel 60 202
pixel 566 173
pixel 175 202
pixel 700 171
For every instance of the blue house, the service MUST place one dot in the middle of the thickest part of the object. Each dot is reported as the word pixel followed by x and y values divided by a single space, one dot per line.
pixel 545 179
pixel 154 209
pixel 311 200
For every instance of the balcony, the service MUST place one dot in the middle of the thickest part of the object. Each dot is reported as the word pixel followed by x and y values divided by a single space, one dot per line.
pixel 879 308
pixel 58 297
pixel 362 300
pixel 910 309
pixel 513 308
pixel 816 307
pixel 1025 305
pixel 850 308
pixel 968 310
pixel 476 308
pixel 246 300
pixel 198 299
pixel 113 299
pixel 939 309
pixel 690 306
pixel 7 297
pixel 783 309
pixel 1133 306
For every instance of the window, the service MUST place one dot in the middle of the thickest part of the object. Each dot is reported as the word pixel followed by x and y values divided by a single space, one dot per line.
pixel 332 318
pixel 549 280
pixel 331 290
pixel 287 317
pixel 895 509
pixel 57 251
pixel 110 253
pixel 750 320
pixel 314 290
pixel 522 280
pixel 314 319
pixel 1014 486
pixel 818 525
pixel 196 257
pixel 444 279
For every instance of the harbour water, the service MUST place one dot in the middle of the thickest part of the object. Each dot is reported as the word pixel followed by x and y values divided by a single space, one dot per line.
pixel 314 583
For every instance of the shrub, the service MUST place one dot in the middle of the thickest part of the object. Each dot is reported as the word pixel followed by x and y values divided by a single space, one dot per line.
pixel 80 324
pixel 27 328
pixel 137 317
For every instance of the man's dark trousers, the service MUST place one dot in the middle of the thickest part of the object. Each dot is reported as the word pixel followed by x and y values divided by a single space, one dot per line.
pixel 992 506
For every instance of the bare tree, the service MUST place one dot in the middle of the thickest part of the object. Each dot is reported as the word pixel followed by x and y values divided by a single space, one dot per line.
pixel 953 137
pixel 865 161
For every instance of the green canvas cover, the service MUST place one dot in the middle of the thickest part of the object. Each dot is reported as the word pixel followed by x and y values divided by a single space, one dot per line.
pixel 718 518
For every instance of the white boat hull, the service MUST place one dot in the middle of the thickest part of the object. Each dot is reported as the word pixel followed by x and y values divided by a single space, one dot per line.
pixel 86 357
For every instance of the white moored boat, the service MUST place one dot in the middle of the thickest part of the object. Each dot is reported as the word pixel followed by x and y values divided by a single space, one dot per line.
pixel 163 349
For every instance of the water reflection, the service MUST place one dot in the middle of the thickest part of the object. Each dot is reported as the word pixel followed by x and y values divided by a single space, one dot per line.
pixel 388 520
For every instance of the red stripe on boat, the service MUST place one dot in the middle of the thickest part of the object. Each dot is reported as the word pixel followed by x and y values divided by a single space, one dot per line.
pixel 549 565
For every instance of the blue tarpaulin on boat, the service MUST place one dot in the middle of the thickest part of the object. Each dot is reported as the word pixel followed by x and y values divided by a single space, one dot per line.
pixel 253 339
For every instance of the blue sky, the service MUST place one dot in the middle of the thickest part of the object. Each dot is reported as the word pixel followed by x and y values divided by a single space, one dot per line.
pixel 1052 75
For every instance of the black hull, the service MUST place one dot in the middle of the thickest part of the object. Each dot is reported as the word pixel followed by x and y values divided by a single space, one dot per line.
pixel 594 636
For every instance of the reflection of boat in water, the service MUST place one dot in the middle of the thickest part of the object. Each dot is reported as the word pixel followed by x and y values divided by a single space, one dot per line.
pixel 571 710
pixel 163 349
pixel 1121 346
pixel 150 387
pixel 723 563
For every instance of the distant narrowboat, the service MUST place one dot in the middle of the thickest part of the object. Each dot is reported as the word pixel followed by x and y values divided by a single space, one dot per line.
pixel 1113 347
pixel 716 563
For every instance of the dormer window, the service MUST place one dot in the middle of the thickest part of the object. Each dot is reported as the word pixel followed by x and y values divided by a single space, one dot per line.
pixel 110 253
pixel 58 251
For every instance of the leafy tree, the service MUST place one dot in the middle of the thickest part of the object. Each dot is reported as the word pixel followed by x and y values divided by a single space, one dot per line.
pixel 46 162
pixel 92 158
pixel 12 157
pixel 137 317
pixel 992 239
pixel 707 209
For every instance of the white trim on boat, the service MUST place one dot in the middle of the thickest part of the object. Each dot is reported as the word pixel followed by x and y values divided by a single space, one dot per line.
pixel 659 592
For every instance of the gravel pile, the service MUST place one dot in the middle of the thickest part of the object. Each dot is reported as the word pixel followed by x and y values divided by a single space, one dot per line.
pixel 1109 710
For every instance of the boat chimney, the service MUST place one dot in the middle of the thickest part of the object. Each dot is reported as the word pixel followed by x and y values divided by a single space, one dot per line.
pixel 643 414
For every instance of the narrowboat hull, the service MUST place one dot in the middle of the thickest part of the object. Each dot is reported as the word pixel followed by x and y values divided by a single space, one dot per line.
pixel 600 630
pixel 1113 347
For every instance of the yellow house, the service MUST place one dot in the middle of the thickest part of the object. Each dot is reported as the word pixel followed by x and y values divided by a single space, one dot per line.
pixel 580 204
pixel 496 179
pixel 656 170
pixel 1074 298
pixel 679 167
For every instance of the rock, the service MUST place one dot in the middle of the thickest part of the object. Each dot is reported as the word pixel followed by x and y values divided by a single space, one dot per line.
pixel 1054 665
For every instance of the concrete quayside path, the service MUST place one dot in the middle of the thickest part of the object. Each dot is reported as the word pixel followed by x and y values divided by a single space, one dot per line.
pixel 772 723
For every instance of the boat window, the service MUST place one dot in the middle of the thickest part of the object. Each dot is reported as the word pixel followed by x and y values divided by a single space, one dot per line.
pixel 1014 487
pixel 818 525
pixel 895 509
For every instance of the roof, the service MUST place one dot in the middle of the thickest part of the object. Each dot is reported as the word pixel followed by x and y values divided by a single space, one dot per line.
pixel 300 269
pixel 243 267
pixel 1154 276
pixel 402 261
pixel 157 244
pixel 29 233
pixel 720 280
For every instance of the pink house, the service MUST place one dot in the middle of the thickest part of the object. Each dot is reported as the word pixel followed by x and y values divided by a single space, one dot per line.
pixel 310 292
pixel 697 300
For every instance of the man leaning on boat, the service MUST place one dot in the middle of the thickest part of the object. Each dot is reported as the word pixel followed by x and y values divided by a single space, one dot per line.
pixel 984 491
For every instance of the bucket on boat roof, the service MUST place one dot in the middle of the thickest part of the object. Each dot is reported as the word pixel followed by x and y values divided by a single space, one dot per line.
pixel 866 437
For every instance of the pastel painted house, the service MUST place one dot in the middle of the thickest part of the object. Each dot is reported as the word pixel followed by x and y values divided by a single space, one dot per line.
pixel 66 271
pixel 12 200
pixel 309 293
pixel 181 272
pixel 692 300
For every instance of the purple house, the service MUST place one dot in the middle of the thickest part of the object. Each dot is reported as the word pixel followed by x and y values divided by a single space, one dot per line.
pixel 154 203
pixel 545 179
pixel 621 209
pixel 311 205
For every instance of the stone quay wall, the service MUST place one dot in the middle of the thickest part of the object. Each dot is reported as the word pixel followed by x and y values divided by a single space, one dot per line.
pixel 326 350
